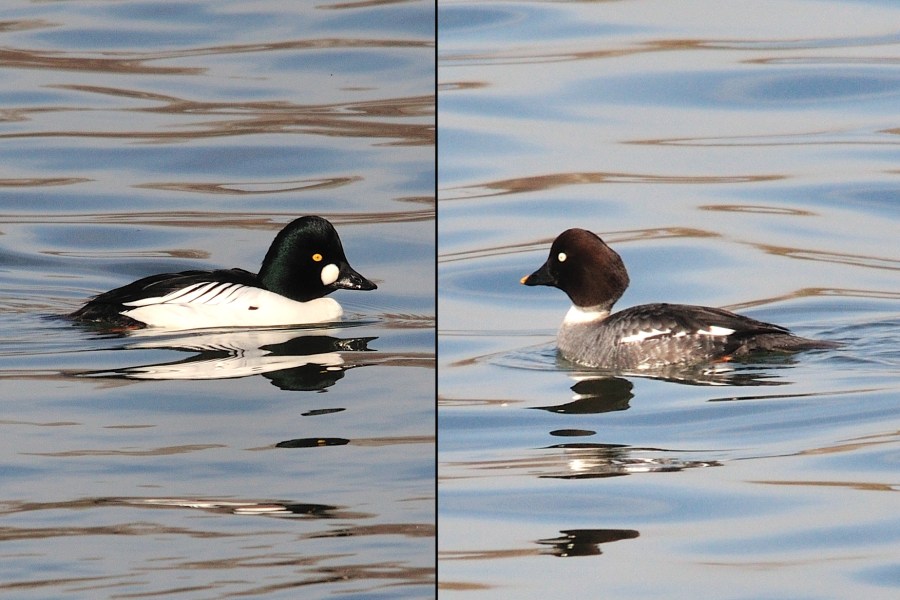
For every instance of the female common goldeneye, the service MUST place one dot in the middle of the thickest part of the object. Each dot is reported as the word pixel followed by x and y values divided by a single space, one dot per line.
pixel 304 263
pixel 650 336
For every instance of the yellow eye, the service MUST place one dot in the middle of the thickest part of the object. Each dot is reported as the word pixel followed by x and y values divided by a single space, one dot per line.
pixel 317 257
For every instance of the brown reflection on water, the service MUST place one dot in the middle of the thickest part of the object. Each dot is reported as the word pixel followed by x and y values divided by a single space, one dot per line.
pixel 614 237
pixel 240 188
pixel 271 221
pixel 12 534
pixel 543 55
pixel 841 258
pixel 15 58
pixel 137 62
pixel 805 138
pixel 422 360
pixel 311 568
pixel 361 4
pixel 449 402
pixel 386 572
pixel 757 209
pixel 25 25
pixel 515 57
pixel 41 181
pixel 540 183
pixel 853 485
pixel 855 444
pixel 814 292
pixel 394 440
pixel 888 438
pixel 389 571
pixel 462 85
pixel 378 118
pixel 161 451
pixel 486 554
pixel 173 253
pixel 40 424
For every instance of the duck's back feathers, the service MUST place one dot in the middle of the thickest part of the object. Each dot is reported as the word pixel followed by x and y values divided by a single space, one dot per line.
pixel 655 335
pixel 683 319
pixel 163 284
pixel 108 306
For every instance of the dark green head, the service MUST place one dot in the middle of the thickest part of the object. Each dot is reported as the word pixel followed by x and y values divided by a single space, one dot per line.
pixel 306 261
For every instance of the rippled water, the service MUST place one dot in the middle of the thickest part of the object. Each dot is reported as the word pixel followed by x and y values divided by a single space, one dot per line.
pixel 736 154
pixel 145 137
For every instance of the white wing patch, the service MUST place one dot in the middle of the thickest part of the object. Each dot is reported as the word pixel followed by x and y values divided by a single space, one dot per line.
pixel 640 336
pixel 643 335
pixel 206 292
pixel 715 330
pixel 222 304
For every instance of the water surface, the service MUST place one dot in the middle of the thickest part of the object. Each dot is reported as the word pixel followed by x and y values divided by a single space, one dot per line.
pixel 146 137
pixel 739 155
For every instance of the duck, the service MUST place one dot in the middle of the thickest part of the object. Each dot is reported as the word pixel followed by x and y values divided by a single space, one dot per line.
pixel 649 336
pixel 305 263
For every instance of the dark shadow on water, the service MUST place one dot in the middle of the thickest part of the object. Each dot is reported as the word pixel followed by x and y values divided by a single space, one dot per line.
pixel 595 395
pixel 312 442
pixel 584 542
pixel 570 543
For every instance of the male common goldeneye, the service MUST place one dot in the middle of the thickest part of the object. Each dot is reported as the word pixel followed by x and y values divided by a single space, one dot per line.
pixel 304 263
pixel 650 336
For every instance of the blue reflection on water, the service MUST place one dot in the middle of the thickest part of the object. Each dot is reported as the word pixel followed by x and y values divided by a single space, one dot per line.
pixel 786 89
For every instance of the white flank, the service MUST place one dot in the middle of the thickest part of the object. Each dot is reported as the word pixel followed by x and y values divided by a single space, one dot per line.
pixel 643 335
pixel 216 304
pixel 329 274
pixel 715 330
pixel 588 314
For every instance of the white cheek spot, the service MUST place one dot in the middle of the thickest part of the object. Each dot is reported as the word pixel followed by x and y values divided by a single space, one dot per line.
pixel 329 274
pixel 715 330
pixel 561 257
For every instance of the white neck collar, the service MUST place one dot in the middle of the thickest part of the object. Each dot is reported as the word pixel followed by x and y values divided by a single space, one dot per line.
pixel 585 314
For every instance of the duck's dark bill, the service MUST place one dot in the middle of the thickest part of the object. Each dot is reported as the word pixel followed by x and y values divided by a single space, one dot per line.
pixel 348 279
pixel 540 277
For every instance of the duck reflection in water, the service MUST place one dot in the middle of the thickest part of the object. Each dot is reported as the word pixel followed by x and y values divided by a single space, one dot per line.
pixel 584 542
pixel 251 507
pixel 595 394
pixel 588 460
pixel 592 460
pixel 292 359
